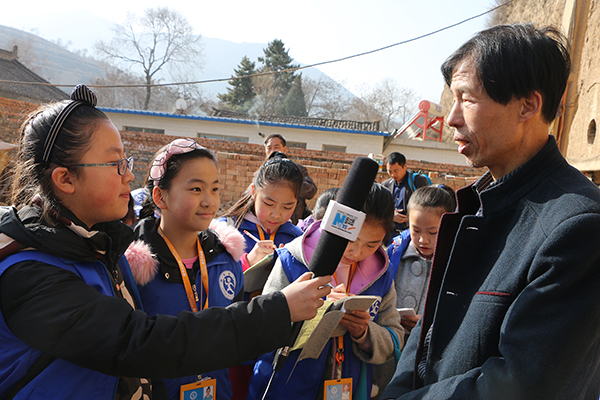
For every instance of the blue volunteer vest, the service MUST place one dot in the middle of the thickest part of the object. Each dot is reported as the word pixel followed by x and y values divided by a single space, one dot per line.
pixel 306 380
pixel 225 280
pixel 61 379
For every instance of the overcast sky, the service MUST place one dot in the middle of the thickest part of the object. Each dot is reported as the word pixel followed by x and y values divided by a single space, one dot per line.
pixel 313 30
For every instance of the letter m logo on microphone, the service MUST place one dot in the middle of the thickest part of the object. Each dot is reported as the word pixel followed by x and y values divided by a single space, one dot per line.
pixel 340 221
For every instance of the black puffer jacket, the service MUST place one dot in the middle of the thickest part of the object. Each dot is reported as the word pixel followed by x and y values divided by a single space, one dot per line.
pixel 39 300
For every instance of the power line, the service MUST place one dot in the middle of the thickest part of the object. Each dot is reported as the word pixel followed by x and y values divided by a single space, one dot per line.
pixel 271 72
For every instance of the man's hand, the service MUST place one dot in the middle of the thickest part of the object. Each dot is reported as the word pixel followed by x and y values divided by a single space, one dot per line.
pixel 399 217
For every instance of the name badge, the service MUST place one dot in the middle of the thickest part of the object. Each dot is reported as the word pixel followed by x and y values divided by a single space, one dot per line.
pixel 338 389
pixel 201 390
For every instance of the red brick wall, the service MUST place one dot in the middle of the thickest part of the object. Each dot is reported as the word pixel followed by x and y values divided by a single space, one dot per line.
pixel 12 115
pixel 238 161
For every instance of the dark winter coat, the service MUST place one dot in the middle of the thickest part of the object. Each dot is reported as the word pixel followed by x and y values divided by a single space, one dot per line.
pixel 54 310
pixel 514 296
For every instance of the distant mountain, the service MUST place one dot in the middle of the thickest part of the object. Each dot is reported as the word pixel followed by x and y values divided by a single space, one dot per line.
pixel 59 65
pixel 53 62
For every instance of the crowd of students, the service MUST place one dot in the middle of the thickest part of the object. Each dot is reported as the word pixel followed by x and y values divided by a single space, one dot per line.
pixel 506 309
pixel 158 309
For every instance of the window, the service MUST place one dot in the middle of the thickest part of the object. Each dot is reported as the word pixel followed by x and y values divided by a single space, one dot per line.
pixel 297 145
pixel 143 130
pixel 330 147
pixel 222 137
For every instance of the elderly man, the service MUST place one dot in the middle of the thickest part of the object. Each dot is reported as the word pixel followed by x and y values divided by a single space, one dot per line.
pixel 513 307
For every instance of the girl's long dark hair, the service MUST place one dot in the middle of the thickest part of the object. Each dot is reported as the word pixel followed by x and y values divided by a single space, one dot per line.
pixel 275 171
pixel 33 176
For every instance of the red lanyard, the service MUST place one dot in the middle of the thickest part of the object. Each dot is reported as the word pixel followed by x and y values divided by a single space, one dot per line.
pixel 261 234
pixel 190 290
pixel 339 353
pixel 351 274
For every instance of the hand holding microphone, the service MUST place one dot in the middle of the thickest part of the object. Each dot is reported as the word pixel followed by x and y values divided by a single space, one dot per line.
pixel 304 296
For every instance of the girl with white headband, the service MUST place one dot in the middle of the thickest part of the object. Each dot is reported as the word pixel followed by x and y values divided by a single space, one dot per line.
pixel 71 323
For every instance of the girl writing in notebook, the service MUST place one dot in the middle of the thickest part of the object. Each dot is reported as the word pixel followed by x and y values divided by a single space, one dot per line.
pixel 370 336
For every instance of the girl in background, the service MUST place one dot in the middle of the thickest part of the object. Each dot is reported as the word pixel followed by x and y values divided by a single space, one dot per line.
pixel 363 270
pixel 320 208
pixel 197 267
pixel 71 324
pixel 265 210
pixel 411 252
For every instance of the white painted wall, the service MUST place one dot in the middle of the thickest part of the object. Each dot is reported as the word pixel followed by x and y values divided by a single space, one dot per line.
pixel 314 138
pixel 432 151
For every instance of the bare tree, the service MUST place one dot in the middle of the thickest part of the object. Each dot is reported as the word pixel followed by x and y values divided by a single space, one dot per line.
pixel 325 98
pixel 124 97
pixel 27 55
pixel 267 95
pixel 160 39
pixel 387 102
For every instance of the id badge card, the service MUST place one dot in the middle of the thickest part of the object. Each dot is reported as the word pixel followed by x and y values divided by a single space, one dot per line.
pixel 201 390
pixel 338 389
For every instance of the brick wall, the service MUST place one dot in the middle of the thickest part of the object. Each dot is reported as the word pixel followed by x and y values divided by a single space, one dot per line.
pixel 12 115
pixel 238 161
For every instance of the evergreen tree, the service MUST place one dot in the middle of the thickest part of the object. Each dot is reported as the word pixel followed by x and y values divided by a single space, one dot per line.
pixel 241 93
pixel 278 94
pixel 277 59
pixel 294 103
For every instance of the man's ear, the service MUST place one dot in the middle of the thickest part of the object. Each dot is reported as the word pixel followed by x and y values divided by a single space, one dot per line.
pixel 530 105
pixel 157 196
pixel 62 180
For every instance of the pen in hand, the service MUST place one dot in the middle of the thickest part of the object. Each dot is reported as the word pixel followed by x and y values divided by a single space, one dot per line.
pixel 251 236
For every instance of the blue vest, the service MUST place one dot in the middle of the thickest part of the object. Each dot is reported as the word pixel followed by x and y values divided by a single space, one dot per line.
pixel 396 250
pixel 306 380
pixel 225 280
pixel 285 234
pixel 61 379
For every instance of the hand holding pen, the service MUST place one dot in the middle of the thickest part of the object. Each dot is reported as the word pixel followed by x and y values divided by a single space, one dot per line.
pixel 261 249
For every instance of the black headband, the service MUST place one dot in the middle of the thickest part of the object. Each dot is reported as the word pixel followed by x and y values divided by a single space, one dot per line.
pixel 81 95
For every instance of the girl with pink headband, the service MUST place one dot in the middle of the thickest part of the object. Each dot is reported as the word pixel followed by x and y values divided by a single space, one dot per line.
pixel 183 260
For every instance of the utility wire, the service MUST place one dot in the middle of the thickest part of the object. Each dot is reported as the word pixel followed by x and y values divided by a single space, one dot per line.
pixel 270 72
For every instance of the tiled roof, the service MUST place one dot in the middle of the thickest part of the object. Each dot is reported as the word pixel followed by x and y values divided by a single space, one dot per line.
pixel 12 70
pixel 328 123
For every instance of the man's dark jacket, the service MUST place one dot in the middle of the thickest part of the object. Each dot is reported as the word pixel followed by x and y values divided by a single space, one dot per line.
pixel 514 296
pixel 418 181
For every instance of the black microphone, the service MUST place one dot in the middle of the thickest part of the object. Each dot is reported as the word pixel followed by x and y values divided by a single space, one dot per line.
pixel 353 193
pixel 331 247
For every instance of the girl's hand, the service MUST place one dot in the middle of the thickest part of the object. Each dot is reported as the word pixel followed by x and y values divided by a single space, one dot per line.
pixel 356 322
pixel 338 292
pixel 304 296
pixel 409 321
pixel 261 249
